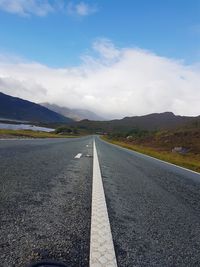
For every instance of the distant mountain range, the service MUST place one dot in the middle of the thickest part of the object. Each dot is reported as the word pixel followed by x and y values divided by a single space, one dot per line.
pixel 150 122
pixel 15 108
pixel 75 114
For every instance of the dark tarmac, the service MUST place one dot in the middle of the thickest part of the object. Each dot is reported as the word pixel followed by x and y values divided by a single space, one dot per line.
pixel 45 205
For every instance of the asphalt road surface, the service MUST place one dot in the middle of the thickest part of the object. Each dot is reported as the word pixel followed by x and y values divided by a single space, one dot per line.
pixel 46 195
pixel 154 209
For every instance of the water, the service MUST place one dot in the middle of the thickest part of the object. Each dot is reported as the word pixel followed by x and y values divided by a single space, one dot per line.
pixel 24 127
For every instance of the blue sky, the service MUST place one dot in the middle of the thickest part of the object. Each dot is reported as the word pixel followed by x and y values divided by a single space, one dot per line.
pixel 114 57
pixel 169 28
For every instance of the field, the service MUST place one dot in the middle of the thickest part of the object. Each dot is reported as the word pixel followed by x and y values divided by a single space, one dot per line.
pixel 4 133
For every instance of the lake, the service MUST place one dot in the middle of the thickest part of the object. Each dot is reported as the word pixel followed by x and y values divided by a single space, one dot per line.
pixel 24 127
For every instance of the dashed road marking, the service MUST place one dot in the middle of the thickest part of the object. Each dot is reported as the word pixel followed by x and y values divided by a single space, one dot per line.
pixel 78 156
pixel 102 251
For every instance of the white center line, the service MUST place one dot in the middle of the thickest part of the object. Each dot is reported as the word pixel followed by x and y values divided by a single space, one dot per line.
pixel 102 251
pixel 78 156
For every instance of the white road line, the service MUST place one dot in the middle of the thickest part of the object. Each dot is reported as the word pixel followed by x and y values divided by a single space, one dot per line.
pixel 102 251
pixel 78 156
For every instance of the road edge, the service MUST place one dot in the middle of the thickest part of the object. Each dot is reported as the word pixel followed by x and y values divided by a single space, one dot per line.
pixel 134 151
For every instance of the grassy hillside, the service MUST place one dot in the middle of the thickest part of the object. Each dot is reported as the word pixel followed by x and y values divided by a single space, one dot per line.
pixel 161 145
pixel 151 122
pixel 30 134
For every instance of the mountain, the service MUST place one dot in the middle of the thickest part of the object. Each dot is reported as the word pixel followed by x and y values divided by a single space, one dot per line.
pixel 155 121
pixel 150 122
pixel 18 109
pixel 75 114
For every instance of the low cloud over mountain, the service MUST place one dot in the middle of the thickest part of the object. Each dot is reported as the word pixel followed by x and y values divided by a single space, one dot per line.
pixel 114 82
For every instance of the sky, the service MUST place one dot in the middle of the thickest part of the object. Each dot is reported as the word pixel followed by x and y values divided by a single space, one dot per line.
pixel 114 57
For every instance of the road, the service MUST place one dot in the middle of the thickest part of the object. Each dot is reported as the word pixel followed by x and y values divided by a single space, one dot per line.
pixel 46 198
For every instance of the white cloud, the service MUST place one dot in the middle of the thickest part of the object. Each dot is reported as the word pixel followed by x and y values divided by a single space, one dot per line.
pixel 80 9
pixel 27 7
pixel 106 49
pixel 41 8
pixel 116 82
pixel 28 88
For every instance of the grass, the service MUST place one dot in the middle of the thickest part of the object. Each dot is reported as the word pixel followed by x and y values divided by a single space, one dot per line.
pixel 30 134
pixel 190 161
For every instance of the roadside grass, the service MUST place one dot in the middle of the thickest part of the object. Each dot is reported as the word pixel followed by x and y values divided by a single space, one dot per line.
pixel 5 133
pixel 189 161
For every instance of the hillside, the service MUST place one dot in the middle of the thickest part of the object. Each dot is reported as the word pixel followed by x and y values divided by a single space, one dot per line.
pixel 151 122
pixel 168 137
pixel 19 109
pixel 75 114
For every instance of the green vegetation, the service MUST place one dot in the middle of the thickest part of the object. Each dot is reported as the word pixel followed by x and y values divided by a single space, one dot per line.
pixel 161 143
pixel 66 130
pixel 30 134
pixel 134 133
